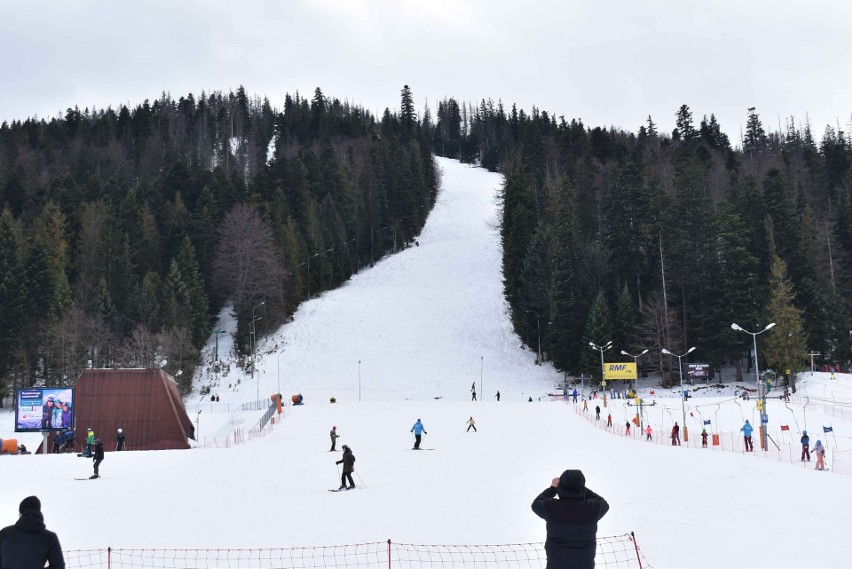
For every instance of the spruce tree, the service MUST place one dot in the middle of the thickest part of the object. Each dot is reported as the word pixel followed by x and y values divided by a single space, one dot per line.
pixel 598 331
pixel 785 345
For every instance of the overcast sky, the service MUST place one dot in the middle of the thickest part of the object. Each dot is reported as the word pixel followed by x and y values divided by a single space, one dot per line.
pixel 606 62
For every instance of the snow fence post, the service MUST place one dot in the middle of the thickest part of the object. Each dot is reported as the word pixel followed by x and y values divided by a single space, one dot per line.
pixel 109 557
pixel 636 546
pixel 389 554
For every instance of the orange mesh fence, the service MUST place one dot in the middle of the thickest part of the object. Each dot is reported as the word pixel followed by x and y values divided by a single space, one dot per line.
pixel 619 552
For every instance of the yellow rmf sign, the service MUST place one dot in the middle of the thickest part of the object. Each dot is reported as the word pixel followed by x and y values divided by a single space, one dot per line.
pixel 619 371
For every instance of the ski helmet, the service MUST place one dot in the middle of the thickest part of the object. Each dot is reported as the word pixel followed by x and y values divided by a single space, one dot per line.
pixel 119 430
pixel 804 432
pixel 819 442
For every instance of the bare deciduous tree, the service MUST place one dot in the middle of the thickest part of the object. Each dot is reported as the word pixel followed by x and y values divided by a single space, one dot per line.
pixel 652 329
pixel 247 268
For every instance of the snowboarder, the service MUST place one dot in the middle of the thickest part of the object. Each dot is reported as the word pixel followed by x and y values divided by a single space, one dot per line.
pixel 334 436
pixel 806 446
pixel 98 457
pixel 119 440
pixel 498 396
pixel 747 430
pixel 572 520
pixel 348 461
pixel 704 438
pixel 676 435
pixel 28 543
pixel 648 433
pixel 418 429
pixel 609 420
pixel 819 451
pixel 90 440
pixel 597 412
pixel 471 424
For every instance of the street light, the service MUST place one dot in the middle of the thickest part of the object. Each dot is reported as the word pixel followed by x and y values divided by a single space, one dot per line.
pixel 538 333
pixel 635 363
pixel 682 394
pixel 253 342
pixel 481 370
pixel 359 381
pixel 761 393
pixel 602 349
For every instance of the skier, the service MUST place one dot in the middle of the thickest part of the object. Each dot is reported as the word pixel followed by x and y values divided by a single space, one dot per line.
pixel 471 424
pixel 334 436
pixel 704 438
pixel 98 457
pixel 627 428
pixel 609 420
pixel 819 451
pixel 597 412
pixel 119 440
pixel 69 440
pixel 648 433
pixel 747 429
pixel 676 435
pixel 574 395
pixel 806 446
pixel 473 395
pixel 572 520
pixel 585 405
pixel 418 429
pixel 498 396
pixel 348 461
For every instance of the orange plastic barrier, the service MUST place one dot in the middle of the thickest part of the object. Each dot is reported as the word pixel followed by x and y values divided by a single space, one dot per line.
pixel 9 446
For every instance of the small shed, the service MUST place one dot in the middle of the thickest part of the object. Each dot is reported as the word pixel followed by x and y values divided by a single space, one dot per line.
pixel 144 403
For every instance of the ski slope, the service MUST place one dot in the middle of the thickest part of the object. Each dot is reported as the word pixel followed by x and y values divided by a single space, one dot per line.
pixel 426 324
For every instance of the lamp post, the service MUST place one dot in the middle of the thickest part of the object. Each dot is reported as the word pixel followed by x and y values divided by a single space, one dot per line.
pixel 635 363
pixel 761 393
pixel 359 381
pixel 682 394
pixel 538 332
pixel 253 342
pixel 481 370
pixel 602 349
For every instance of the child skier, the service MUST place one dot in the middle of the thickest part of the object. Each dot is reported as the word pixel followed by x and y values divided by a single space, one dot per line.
pixel 676 435
pixel 334 437
pixel 819 451
pixel 806 446
pixel 704 438
pixel 747 430
pixel 471 424
pixel 648 433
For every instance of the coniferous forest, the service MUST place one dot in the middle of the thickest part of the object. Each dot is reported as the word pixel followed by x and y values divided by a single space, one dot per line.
pixel 658 240
pixel 125 231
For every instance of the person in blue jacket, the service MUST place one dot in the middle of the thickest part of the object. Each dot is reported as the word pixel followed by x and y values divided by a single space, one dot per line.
pixel 418 429
pixel 806 446
pixel 572 513
pixel 747 430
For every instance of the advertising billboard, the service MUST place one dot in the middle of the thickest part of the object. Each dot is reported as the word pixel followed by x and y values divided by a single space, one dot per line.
pixel 620 371
pixel 698 371
pixel 44 409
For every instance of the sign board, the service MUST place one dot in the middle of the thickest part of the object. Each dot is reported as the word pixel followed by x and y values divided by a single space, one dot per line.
pixel 698 371
pixel 620 371
pixel 44 409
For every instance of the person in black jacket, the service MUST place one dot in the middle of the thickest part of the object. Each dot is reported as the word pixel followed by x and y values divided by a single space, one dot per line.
pixel 28 544
pixel 119 440
pixel 572 521
pixel 348 461
pixel 98 457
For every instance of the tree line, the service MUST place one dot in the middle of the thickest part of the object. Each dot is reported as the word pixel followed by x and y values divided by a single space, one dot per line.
pixel 662 240
pixel 125 231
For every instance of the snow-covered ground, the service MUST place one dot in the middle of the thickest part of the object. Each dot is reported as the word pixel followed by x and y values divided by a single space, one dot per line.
pixel 425 324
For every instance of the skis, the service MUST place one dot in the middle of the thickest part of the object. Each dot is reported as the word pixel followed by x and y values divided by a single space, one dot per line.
pixel 89 478
pixel 341 489
pixel 421 448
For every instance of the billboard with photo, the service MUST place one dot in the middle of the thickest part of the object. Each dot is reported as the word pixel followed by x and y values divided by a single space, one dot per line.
pixel 698 371
pixel 44 409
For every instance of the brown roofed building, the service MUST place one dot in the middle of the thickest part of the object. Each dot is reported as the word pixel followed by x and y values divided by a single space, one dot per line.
pixel 144 403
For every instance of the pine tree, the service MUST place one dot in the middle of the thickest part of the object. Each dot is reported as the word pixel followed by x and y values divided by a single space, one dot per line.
pixel 598 331
pixel 785 345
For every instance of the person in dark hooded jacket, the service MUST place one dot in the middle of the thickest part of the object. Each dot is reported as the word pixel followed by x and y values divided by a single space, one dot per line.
pixel 28 544
pixel 572 512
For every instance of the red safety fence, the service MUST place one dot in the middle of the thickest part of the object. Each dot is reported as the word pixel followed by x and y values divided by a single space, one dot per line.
pixel 837 461
pixel 618 552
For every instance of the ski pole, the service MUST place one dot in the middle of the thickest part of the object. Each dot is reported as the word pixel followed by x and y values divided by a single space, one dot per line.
pixel 361 480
